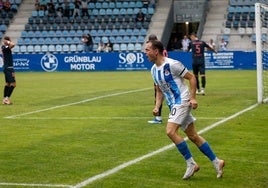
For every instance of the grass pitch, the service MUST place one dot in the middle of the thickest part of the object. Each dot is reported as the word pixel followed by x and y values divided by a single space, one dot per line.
pixel 65 129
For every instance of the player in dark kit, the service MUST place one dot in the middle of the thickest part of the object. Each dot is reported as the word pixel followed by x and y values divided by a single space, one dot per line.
pixel 8 69
pixel 198 48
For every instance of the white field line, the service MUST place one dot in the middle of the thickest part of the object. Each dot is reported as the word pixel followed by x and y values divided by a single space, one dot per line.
pixel 74 103
pixel 124 165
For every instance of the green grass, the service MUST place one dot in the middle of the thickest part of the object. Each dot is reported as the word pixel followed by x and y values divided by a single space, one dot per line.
pixel 67 127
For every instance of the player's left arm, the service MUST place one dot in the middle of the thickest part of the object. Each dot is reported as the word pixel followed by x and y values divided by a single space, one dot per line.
pixel 192 80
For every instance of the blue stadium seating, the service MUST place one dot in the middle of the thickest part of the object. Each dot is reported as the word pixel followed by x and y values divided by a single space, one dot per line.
pixel 44 48
pixel 107 19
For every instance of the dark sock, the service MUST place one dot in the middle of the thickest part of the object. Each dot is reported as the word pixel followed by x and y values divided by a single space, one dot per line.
pixel 203 80
pixel 6 89
pixel 197 82
pixel 11 88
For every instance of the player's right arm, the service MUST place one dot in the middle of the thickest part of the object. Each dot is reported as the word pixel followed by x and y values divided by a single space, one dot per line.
pixel 159 100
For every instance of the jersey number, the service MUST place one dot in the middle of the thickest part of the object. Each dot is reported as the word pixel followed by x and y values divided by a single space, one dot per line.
pixel 197 49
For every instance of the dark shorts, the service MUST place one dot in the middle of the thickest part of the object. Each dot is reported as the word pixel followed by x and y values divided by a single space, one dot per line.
pixel 198 68
pixel 9 75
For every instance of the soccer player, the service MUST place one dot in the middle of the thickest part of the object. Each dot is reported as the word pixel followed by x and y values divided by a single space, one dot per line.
pixel 8 69
pixel 198 48
pixel 169 76
pixel 158 117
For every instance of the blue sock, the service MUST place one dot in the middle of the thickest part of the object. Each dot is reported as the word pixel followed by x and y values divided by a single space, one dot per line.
pixel 184 150
pixel 205 148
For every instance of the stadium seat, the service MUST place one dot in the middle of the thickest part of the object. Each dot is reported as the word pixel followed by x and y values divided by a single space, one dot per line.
pixel 122 32
pixel 116 11
pixel 41 40
pixel 243 24
pixel 130 47
pixel 119 39
pixel 241 30
pixel 58 48
pixel 27 41
pixel 69 40
pixel 118 4
pixel 112 39
pixel 226 30
pixel 136 32
pixel 111 5
pixel 116 47
pixel 30 34
pixel 65 48
pixel 250 23
pixel 264 37
pixel 91 5
pixel 231 9
pixel 44 48
pixel 16 49
pixel 51 33
pixel 139 4
pixel 47 40
pixel 72 48
pixel 80 48
pixel 62 40
pixel 37 49
pixel 126 39
pixel 123 47
pixel 71 33
pixel 98 5
pixel 138 47
pixel 104 39
pixel 23 49
pixel 133 39
pixel 51 48
pixel 3 28
pixel 253 38
pixel 24 34
pixel 249 30
pixel 244 16
pixel 141 39
pixel 20 41
pixel 102 12
pixel 30 48
pixel 235 24
pixel 76 40
pixel 34 41
pixel 55 40
pixel 44 33
pixel 230 16
pixel 143 31
pixel 38 34
pixel 125 4
pixel 132 4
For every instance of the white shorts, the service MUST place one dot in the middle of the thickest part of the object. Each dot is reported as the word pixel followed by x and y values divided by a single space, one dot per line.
pixel 181 115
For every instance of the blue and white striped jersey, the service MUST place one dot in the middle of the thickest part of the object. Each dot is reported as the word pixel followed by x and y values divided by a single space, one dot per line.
pixel 169 77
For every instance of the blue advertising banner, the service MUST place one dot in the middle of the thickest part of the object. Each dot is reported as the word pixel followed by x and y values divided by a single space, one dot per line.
pixel 129 61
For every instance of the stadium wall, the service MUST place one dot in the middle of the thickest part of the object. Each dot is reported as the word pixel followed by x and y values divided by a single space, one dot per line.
pixel 128 61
